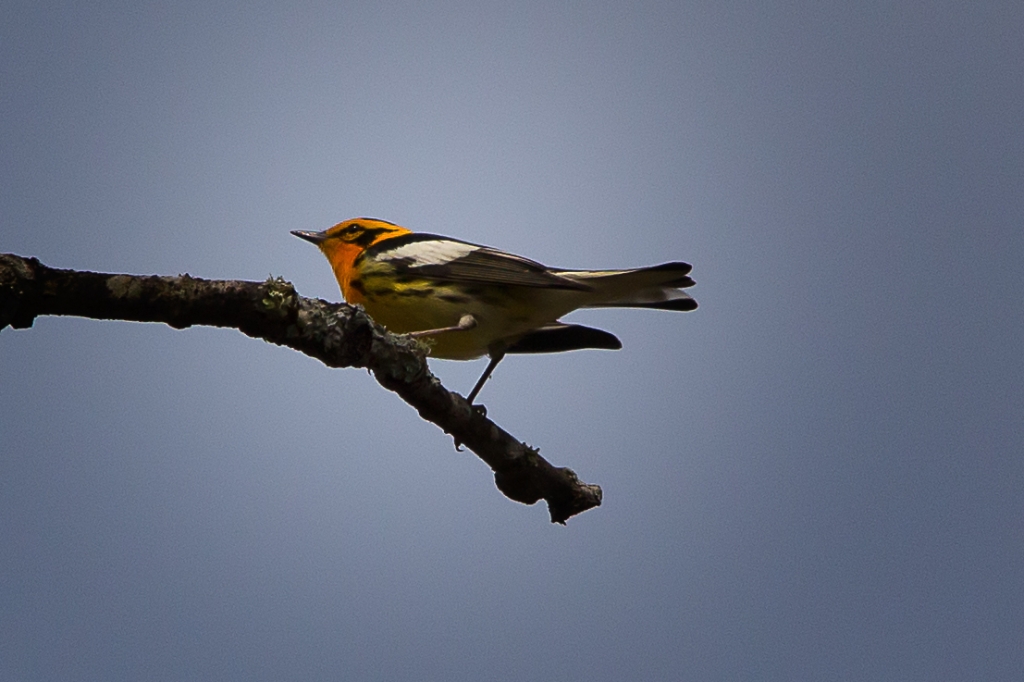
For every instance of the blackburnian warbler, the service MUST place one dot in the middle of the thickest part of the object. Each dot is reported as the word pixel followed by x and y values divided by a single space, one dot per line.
pixel 474 300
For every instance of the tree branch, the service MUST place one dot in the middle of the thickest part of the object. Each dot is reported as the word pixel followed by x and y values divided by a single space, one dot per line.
pixel 338 335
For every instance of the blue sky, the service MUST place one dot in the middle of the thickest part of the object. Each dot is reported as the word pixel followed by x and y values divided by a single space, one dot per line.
pixel 817 475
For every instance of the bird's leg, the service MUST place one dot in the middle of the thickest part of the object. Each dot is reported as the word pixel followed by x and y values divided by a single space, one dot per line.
pixel 495 359
pixel 496 356
pixel 466 322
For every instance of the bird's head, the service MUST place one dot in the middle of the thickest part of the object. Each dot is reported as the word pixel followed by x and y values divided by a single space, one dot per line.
pixel 343 243
pixel 357 232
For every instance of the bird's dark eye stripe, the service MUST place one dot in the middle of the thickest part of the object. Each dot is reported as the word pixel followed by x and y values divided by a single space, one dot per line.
pixel 360 234
pixel 366 236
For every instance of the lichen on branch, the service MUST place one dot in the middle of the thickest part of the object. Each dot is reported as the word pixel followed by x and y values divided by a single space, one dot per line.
pixel 336 334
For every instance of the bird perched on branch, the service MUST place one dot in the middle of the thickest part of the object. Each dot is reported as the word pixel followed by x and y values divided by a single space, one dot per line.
pixel 473 300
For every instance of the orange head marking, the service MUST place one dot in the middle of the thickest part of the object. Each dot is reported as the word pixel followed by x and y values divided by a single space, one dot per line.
pixel 343 243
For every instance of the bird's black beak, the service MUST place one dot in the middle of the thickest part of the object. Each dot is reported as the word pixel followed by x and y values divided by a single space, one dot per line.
pixel 315 237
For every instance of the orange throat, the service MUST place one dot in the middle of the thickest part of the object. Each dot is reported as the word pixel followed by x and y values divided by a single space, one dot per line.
pixel 342 257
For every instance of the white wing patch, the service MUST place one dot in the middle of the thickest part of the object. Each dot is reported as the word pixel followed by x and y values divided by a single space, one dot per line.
pixel 591 274
pixel 435 252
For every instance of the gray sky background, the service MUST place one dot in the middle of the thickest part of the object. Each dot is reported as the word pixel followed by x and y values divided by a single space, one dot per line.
pixel 817 475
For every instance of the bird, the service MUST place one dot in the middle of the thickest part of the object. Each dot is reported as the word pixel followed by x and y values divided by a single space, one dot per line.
pixel 468 300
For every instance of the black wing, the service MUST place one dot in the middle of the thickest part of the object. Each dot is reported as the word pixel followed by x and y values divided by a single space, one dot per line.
pixel 451 260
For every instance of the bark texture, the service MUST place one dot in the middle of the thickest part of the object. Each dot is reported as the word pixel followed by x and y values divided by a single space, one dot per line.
pixel 336 334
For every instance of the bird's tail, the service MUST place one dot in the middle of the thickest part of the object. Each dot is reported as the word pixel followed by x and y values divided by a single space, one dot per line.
pixel 658 286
